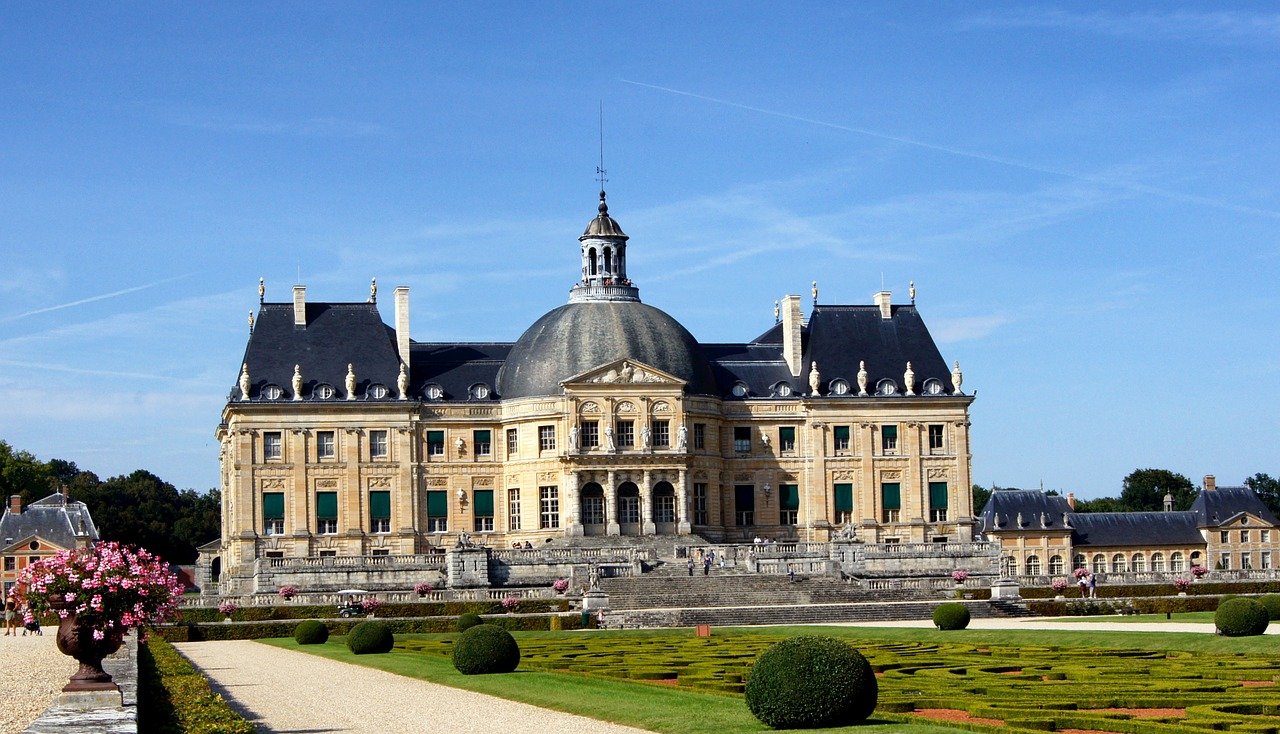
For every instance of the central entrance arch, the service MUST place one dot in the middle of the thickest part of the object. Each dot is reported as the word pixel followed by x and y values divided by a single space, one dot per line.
pixel 629 508
pixel 593 517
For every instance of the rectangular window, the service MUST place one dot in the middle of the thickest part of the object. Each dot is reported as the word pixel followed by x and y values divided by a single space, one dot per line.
pixel 513 508
pixel 938 501
pixel 593 510
pixel 1265 556
pixel 10 563
pixel 664 508
pixel 435 443
pixel 437 511
pixel 1224 536
pixel 935 437
pixel 590 434
pixel 549 499
pixel 274 554
pixel 1224 560
pixel 1245 562
pixel 380 552
pixel 661 434
pixel 700 503
pixel 889 439
pixel 482 440
pixel 325 447
pixel 546 438
pixel 1266 536
pixel 699 436
pixel 744 504
pixel 844 503
pixel 629 510
pixel 1244 536
pixel 326 513
pixel 841 435
pixel 890 501
pixel 380 511
pixel 378 444
pixel 482 502
pixel 787 438
pixel 513 442
pixel 328 553
pixel 273 513
pixel 271 446
pixel 789 503
pixel 626 434
pixel 742 439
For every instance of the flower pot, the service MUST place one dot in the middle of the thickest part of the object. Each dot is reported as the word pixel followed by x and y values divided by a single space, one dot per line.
pixel 77 641
pixel 226 620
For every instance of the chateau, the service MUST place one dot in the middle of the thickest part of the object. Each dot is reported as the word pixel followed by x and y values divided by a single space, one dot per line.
pixel 606 420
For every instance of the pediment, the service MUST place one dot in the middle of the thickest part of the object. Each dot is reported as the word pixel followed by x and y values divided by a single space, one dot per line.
pixel 623 372
pixel 20 547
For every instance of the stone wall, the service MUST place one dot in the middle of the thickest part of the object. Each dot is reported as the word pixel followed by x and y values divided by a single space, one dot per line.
pixel 98 712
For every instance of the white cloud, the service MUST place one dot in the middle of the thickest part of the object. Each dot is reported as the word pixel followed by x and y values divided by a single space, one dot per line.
pixel 1217 27
pixel 968 328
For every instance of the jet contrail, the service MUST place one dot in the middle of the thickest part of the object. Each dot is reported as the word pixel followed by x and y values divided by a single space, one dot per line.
pixel 1136 188
pixel 91 299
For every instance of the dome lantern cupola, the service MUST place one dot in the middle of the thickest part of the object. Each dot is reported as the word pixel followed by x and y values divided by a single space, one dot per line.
pixel 604 261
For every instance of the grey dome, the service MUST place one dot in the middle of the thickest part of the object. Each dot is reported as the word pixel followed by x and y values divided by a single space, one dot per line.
pixel 577 337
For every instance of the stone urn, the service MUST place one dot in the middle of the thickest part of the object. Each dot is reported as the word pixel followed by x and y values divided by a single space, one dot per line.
pixel 76 640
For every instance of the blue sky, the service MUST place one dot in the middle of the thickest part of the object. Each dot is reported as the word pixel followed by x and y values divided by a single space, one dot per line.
pixel 1085 195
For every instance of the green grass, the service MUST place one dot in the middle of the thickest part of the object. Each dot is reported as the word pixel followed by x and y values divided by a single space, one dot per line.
pixel 1030 679
pixel 1199 617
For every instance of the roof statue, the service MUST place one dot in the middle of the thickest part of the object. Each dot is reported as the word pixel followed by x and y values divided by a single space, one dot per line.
pixel 351 382
pixel 251 322
pixel 815 380
pixel 862 377
pixel 244 381
pixel 373 290
pixel 262 290
pixel 402 382
pixel 957 379
pixel 911 292
pixel 909 380
pixel 297 382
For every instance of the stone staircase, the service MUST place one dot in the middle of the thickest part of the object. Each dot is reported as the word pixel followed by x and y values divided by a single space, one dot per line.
pixel 670 587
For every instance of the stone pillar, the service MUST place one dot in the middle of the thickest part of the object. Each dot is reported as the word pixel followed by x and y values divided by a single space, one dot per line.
pixel 683 497
pixel 647 525
pixel 573 496
pixel 611 506
pixel 467 567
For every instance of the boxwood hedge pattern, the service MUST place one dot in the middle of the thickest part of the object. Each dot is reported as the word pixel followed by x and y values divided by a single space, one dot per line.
pixel 1025 688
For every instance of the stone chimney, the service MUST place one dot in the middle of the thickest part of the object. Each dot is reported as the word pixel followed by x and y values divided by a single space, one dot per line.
pixel 1071 501
pixel 402 323
pixel 883 299
pixel 15 504
pixel 792 344
pixel 299 307
pixel 1210 483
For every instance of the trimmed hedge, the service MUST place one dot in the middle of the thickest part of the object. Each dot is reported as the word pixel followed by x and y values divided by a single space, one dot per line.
pixel 370 638
pixel 467 621
pixel 1241 617
pixel 951 616
pixel 408 609
pixel 311 632
pixel 485 648
pixel 806 682
pixel 1271 602
pixel 174 698
pixel 285 628
pixel 1199 588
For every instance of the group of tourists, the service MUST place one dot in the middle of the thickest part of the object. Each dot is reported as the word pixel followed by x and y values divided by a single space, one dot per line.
pixel 708 559
pixel 13 612
pixel 1088 586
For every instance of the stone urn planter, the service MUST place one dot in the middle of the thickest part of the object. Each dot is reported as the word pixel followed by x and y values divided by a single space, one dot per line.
pixel 77 641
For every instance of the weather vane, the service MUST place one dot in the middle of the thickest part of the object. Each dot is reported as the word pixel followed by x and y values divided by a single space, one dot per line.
pixel 600 172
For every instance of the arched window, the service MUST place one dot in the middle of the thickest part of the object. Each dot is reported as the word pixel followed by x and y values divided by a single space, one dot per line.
pixel 1195 558
pixel 1033 565
pixel 1099 563
pixel 1055 565
pixel 664 503
pixel 1139 563
pixel 1079 562
pixel 1117 563
pixel 608 261
pixel 1157 562
pixel 592 504
pixel 1175 562
pixel 591 257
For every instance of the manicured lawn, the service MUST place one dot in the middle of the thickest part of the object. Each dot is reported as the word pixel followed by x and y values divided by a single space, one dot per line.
pixel 1010 680
pixel 1204 617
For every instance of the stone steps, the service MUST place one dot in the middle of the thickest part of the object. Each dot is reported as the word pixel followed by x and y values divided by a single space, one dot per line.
pixel 795 614
pixel 741 590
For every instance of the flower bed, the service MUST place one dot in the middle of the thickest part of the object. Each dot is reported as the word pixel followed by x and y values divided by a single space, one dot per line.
pixel 174 697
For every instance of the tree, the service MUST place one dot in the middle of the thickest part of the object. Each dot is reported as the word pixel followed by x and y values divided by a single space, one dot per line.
pixel 1144 490
pixel 21 473
pixel 980 496
pixel 1267 489
pixel 1100 504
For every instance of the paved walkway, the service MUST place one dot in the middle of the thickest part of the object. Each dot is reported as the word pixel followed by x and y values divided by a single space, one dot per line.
pixel 285 691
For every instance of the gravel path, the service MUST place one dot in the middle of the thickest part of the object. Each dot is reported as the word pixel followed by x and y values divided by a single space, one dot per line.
pixel 288 691
pixel 32 674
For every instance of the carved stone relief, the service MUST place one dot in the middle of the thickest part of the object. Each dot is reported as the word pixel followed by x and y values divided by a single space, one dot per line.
pixel 379 482
pixel 482 482
pixel 891 474
pixel 273 484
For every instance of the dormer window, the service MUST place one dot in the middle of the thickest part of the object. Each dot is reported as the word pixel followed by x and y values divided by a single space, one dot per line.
pixel 323 391
pixel 434 392
pixel 932 386
pixel 886 387
pixel 840 387
pixel 782 390
pixel 378 392
pixel 740 389
pixel 272 392
pixel 479 391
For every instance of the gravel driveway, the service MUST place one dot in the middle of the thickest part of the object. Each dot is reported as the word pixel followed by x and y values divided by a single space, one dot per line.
pixel 32 674
pixel 288 691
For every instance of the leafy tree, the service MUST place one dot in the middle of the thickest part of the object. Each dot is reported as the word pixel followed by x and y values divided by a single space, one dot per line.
pixel 1100 504
pixel 21 473
pixel 199 523
pixel 1267 489
pixel 980 496
pixel 1144 490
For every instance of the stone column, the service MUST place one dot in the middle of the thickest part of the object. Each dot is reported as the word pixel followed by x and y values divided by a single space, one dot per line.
pixel 573 496
pixel 611 506
pixel 683 495
pixel 647 525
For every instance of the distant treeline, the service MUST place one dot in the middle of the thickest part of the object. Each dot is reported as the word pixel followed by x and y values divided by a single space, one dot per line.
pixel 138 508
pixel 1144 491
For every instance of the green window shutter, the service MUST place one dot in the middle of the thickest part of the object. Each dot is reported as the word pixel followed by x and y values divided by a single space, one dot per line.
pixel 744 497
pixel 787 433
pixel 890 433
pixel 482 437
pixel 484 503
pixel 380 505
pixel 273 505
pixel 326 505
pixel 435 436
pixel 938 495
pixel 437 504
pixel 790 496
pixel 841 433
pixel 844 498
pixel 892 494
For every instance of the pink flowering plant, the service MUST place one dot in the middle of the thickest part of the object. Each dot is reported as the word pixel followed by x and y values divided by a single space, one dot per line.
pixel 1080 573
pixel 422 588
pixel 1059 585
pixel 1182 583
pixel 109 588
pixel 227 608
pixel 509 603
pixel 370 604
pixel 959 575
pixel 560 585
pixel 288 591
pixel 1199 571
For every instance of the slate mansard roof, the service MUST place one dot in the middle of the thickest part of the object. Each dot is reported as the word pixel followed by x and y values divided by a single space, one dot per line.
pixel 53 518
pixel 1220 505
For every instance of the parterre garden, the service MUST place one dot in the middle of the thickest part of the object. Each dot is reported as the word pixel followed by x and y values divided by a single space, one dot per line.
pixel 980 687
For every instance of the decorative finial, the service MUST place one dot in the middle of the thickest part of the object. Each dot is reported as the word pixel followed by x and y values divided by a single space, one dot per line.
pixel 297 382
pixel 250 321
pixel 373 290
pixel 815 380
pixel 862 377
pixel 909 379
pixel 911 291
pixel 603 208
pixel 262 289
pixel 600 172
pixel 351 382
pixel 244 381
pixel 402 382
pixel 815 292
pixel 957 379
pixel 777 312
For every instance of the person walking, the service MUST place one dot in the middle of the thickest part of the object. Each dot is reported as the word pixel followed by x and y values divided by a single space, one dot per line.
pixel 1093 586
pixel 1084 586
pixel 691 566
pixel 706 566
pixel 10 618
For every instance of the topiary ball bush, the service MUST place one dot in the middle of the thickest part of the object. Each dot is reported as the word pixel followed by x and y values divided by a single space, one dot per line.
pixel 1241 617
pixel 951 616
pixel 468 620
pixel 485 648
pixel 311 632
pixel 1271 602
pixel 370 638
pixel 806 682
